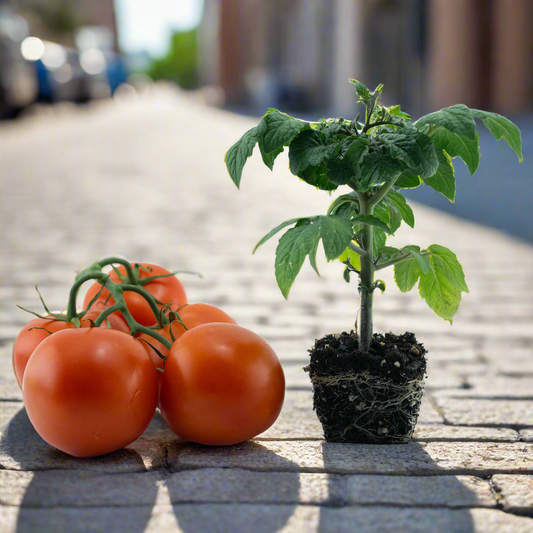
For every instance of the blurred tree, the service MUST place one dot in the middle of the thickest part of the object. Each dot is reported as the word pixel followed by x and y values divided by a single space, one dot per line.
pixel 59 16
pixel 181 62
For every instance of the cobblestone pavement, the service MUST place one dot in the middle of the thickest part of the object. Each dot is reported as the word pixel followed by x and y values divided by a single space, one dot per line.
pixel 145 179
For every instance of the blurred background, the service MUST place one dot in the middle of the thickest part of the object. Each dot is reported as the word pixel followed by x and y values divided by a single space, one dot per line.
pixel 246 55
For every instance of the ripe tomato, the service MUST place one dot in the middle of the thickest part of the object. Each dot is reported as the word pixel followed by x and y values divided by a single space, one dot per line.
pixel 115 320
pixel 88 392
pixel 223 384
pixel 27 341
pixel 192 315
pixel 167 290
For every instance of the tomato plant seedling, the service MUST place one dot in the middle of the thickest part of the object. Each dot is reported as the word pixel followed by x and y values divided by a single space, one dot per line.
pixel 375 159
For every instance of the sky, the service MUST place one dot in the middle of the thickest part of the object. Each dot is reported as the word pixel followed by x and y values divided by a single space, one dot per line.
pixel 146 25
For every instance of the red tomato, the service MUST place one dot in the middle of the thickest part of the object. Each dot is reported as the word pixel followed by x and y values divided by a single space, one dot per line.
pixel 166 290
pixel 223 384
pixel 115 320
pixel 27 341
pixel 192 315
pixel 88 392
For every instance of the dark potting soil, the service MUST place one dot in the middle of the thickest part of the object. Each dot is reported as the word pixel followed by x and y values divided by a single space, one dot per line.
pixel 367 397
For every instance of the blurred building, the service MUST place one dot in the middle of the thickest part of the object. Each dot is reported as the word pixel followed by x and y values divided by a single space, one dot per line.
pixel 57 20
pixel 298 54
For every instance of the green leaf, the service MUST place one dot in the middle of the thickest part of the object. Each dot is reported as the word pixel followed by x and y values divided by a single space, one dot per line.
pixel 317 177
pixel 501 128
pixel 355 258
pixel 268 159
pixel 446 261
pixel 377 167
pixel 336 233
pixel 440 294
pixel 454 131
pixel 396 111
pixel 406 274
pixel 400 203
pixel 312 258
pixel 238 154
pixel 343 168
pixel 444 179
pixel 280 129
pixel 291 252
pixel 307 149
pixel 362 90
pixel 372 221
pixel 351 200
pixel 421 260
pixel 273 231
pixel 379 241
pixel 403 147
pixel 408 181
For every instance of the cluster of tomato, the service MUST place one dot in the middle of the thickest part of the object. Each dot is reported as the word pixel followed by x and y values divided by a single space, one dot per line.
pixel 91 388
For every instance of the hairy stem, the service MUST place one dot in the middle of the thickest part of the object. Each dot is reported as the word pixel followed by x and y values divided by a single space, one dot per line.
pixel 366 278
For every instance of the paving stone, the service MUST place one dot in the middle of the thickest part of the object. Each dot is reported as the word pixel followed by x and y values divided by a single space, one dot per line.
pixel 415 458
pixel 476 412
pixel 493 387
pixel 21 448
pixel 515 493
pixel 9 389
pixel 63 488
pixel 463 433
pixel 526 435
pixel 222 518
pixel 243 486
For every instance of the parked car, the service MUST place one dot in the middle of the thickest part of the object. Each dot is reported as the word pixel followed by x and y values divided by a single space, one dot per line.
pixel 18 78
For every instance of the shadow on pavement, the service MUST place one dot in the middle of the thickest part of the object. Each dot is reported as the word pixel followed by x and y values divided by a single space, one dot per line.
pixel 114 493
pixel 251 487
pixel 66 494
pixel 372 502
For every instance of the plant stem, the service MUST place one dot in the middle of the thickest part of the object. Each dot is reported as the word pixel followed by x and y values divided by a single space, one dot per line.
pixel 382 192
pixel 366 277
pixel 354 248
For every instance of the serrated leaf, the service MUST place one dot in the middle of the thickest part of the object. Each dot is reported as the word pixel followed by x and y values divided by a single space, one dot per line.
pixel 336 233
pixel 378 167
pixel 400 203
pixel 344 167
pixel 440 294
pixel 239 153
pixel 408 181
pixel 306 149
pixel 406 274
pixel 351 200
pixel 454 131
pixel 396 110
pixel 362 90
pixel 502 128
pixel 444 179
pixel 280 129
pixel 268 159
pixel 446 261
pixel 291 252
pixel 275 230
pixel 317 177
pixel 372 221
pixel 403 147
pixel 379 240
pixel 312 258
